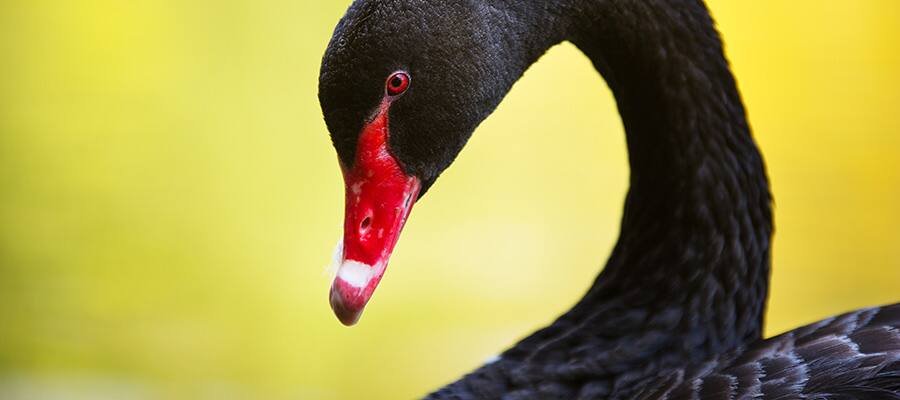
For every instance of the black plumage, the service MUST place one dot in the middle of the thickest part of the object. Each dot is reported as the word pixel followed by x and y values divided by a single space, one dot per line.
pixel 851 356
pixel 677 312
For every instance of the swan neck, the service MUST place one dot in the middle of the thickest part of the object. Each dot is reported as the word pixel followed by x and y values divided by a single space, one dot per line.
pixel 697 221
pixel 693 252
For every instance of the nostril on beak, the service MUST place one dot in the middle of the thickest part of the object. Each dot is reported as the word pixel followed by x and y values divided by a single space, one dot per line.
pixel 364 225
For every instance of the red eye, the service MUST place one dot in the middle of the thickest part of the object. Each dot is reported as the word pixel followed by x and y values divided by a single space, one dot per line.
pixel 397 83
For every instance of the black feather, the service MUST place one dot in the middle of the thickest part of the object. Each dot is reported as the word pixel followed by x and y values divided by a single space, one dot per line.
pixel 677 313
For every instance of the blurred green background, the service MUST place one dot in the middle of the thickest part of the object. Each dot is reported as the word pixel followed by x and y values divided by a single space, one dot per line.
pixel 169 198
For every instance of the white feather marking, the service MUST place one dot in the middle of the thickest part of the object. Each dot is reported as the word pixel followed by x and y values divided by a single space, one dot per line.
pixel 336 258
pixel 492 359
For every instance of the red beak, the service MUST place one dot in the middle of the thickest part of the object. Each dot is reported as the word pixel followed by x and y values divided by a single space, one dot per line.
pixel 379 197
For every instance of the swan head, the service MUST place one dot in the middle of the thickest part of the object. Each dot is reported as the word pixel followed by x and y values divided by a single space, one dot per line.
pixel 402 86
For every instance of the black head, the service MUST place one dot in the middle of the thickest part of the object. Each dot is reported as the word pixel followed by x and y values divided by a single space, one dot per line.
pixel 455 60
pixel 459 72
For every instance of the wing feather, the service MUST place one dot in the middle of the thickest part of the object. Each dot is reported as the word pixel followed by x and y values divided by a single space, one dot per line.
pixel 852 356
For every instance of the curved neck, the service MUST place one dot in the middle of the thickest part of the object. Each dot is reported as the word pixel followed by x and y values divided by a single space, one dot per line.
pixel 697 220
pixel 688 278
pixel 692 259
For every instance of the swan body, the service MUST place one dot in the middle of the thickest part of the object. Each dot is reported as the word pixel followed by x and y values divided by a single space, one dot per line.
pixel 677 312
pixel 851 356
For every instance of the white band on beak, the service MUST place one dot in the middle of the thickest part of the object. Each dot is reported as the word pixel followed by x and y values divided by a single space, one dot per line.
pixel 356 273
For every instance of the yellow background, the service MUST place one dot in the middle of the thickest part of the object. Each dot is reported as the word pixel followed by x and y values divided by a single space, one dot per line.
pixel 169 198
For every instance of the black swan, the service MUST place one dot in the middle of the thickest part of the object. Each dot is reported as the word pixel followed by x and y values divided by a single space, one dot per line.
pixel 677 312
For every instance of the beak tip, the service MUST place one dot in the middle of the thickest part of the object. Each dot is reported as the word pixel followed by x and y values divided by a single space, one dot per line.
pixel 346 310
